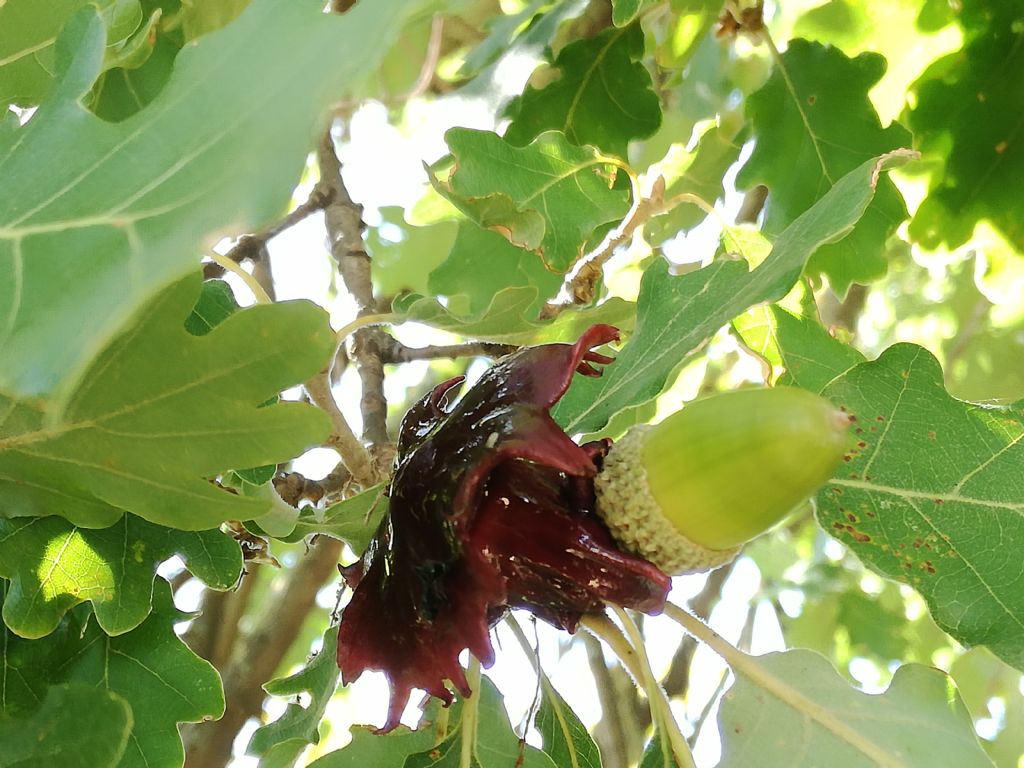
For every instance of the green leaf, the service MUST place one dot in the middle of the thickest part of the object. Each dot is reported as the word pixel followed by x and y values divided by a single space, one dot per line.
pixel 149 667
pixel 507 318
pixel 813 123
pixel 53 566
pixel 932 496
pixel 27 48
pixel 161 411
pixel 353 520
pixel 481 264
pixel 404 266
pixel 657 756
pixel 791 708
pixel 200 17
pixel 122 91
pixel 99 217
pixel 602 96
pixel 624 11
pixel 811 356
pixel 548 196
pixel 76 727
pixel 369 748
pixel 507 76
pixel 689 28
pixel 501 32
pixel 279 743
pixel 216 303
pixel 495 743
pixel 874 625
pixel 677 315
pixel 566 740
pixel 968 115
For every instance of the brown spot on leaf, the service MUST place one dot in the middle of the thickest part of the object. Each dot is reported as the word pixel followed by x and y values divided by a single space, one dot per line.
pixel 927 566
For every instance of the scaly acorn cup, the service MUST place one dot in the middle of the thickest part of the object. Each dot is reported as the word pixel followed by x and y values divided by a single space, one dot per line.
pixel 688 492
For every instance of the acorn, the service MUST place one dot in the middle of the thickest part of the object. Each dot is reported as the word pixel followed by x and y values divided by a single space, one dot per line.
pixel 688 492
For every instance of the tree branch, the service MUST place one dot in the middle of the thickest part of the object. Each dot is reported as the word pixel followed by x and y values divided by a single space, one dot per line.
pixel 345 234
pixel 294 487
pixel 253 247
pixel 618 741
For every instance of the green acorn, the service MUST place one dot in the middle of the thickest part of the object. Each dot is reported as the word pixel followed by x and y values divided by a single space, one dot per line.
pixel 688 492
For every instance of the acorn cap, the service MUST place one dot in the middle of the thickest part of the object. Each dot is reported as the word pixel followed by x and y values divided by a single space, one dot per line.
pixel 688 492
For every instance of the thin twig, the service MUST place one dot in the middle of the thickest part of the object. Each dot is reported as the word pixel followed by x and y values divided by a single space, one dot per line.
pixel 430 60
pixel 617 746
pixel 752 205
pixel 705 713
pixel 581 283
pixel 342 438
pixel 247 245
pixel 252 247
pixel 397 352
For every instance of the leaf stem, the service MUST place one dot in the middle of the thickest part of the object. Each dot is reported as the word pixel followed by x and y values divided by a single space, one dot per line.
pixel 366 320
pixel 236 269
pixel 470 714
pixel 734 657
pixel 602 628
pixel 660 709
